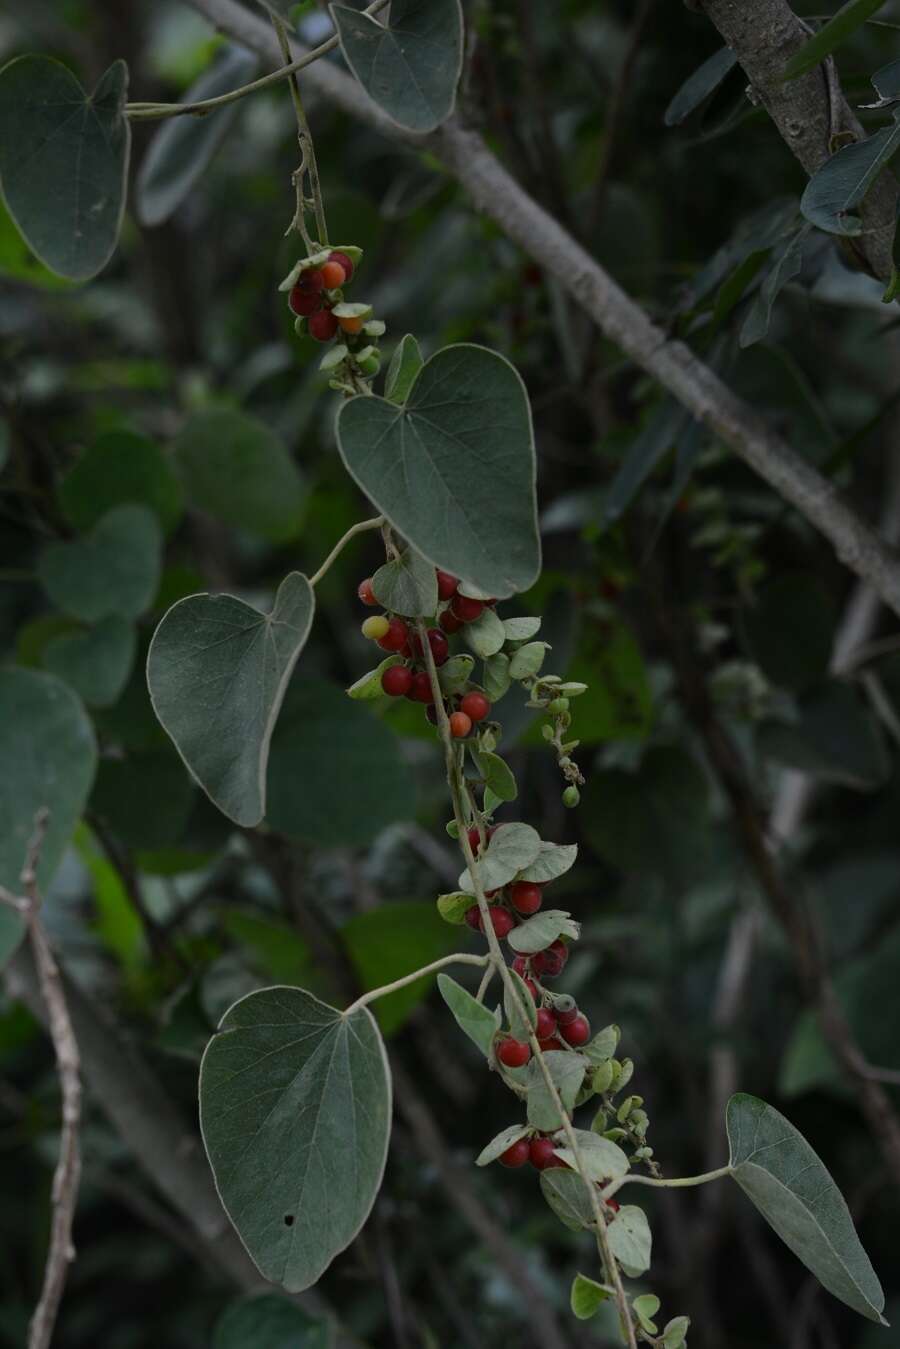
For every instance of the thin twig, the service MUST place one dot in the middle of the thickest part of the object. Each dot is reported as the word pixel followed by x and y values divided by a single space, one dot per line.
pixel 64 1195
pixel 341 544
pixel 460 958
pixel 308 166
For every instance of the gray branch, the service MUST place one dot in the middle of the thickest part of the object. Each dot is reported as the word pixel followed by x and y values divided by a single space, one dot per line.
pixel 764 35
pixel 673 364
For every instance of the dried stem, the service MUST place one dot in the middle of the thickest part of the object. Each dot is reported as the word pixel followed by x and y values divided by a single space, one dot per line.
pixel 308 166
pixel 64 1196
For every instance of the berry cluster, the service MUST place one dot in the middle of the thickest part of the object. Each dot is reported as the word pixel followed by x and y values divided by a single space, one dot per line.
pixel 316 298
pixel 465 708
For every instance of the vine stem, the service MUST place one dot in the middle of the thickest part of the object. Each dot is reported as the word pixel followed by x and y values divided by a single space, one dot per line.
pixel 460 958
pixel 308 166
pixel 455 782
pixel 152 112
pixel 342 542
pixel 675 1183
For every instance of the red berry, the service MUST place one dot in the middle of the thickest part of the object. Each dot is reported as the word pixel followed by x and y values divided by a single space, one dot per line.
pixel 545 1027
pixel 460 725
pixel 305 302
pixel 491 894
pixel 438 643
pixel 577 1031
pixel 473 918
pixel 420 689
pixel 465 608
pixel 395 637
pixel 532 989
pixel 542 1152
pixel 333 274
pixel 343 261
pixel 517 1155
pixel 311 279
pixel 503 922
pixel 476 706
pixel 447 585
pixel 610 1203
pixel 323 325
pixel 474 839
pixel 513 1053
pixel 549 1044
pixel 366 593
pixel 431 714
pixel 397 680
pixel 449 622
pixel 551 962
pixel 520 965
pixel 565 1017
pixel 525 896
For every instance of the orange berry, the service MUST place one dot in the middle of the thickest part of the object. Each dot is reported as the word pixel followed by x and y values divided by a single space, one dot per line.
pixel 333 275
pixel 351 325
pixel 460 725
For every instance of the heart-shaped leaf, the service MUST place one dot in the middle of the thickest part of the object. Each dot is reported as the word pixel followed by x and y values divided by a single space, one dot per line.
pixel 183 146
pixel 112 570
pixel 64 161
pixel 217 671
pixel 47 742
pixel 118 467
pixel 603 1160
pixel 267 1321
pixel 566 1194
pixel 295 1111
pixel 631 1240
pixel 512 848
pixel 407 585
pixel 97 662
pixel 411 67
pixel 454 468
pixel 773 1163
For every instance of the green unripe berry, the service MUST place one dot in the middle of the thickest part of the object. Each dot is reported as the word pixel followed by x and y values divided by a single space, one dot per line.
pixel 370 366
pixel 559 705
pixel 570 797
pixel 375 627
pixel 452 828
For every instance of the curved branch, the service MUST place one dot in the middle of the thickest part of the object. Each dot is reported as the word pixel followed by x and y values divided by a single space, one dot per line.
pixel 623 321
pixel 807 111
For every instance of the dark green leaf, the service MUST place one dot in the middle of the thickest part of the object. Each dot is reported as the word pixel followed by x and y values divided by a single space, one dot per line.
pixel 96 662
pixel 238 470
pixel 405 365
pixel 773 1164
pixel 118 467
pixel 389 942
pixel 790 630
pixel 836 738
pixel 649 448
pixel 567 1070
pixel 267 1321
pixel 217 672
pixel 48 744
pixel 786 264
pixel 182 148
pixel 295 1109
pixel 831 35
pixel 407 585
pixel 144 798
pixel 336 776
pixel 844 179
pixel 112 570
pixel 411 67
pixel 698 86
pixel 466 420
pixel 64 161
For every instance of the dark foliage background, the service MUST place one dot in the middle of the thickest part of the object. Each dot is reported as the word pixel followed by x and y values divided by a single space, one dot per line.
pixel 695 605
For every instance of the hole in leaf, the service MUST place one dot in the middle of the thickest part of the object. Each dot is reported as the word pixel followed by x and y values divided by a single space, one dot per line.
pixel 289 1220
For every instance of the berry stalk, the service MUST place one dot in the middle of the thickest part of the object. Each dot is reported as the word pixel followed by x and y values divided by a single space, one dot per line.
pixel 455 781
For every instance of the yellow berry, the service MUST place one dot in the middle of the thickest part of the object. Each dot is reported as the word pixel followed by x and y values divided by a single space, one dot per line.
pixel 375 627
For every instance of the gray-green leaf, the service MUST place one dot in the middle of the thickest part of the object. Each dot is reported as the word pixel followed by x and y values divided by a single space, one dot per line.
pixel 587 1296
pixel 536 933
pixel 567 1195
pixel 407 585
pixel 405 365
pixel 499 1145
pixel 844 179
pixel 368 686
pixel 64 161
pixel 472 1017
pixel 295 1110
pixel 466 420
pixel 527 660
pixel 786 264
pixel 773 1163
pixel 496 676
pixel 603 1160
pixel 519 1028
pixel 553 860
pixel 567 1071
pixel 512 848
pixel 96 662
pixel 630 1240
pixel 699 85
pixel 520 629
pixel 411 67
pixel 454 676
pixel 182 148
pixel 485 635
pixel 268 1321
pixel 217 671
pixel 498 776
